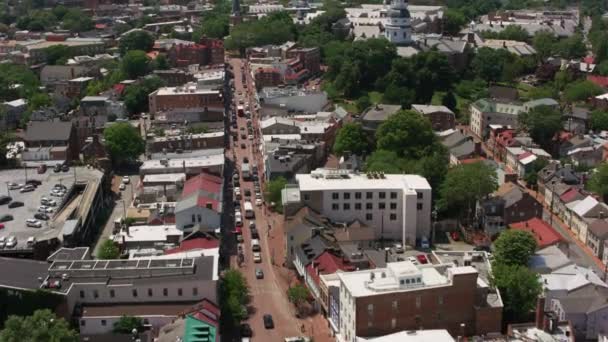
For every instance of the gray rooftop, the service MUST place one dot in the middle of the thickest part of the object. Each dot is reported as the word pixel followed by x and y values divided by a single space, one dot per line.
pixel 22 273
pixel 380 112
pixel 48 130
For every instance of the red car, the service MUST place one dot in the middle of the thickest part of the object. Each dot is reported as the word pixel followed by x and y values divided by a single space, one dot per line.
pixel 422 259
pixel 455 236
pixel 1 225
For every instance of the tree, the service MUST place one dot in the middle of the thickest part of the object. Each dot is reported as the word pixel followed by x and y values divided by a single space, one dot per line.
pixel 571 47
pixel 406 133
pixel 363 103
pixel 514 247
pixel 43 325
pixel 234 296
pixel 58 54
pixel 275 28
pixel 449 100
pixel 160 63
pixel 602 68
pixel 453 21
pixel 351 138
pixel 511 32
pixel 297 294
pixel 39 100
pixel 598 182
pixel 76 21
pixel 531 177
pixel 136 96
pixel 544 43
pixel 543 123
pixel 273 191
pixel 488 63
pixel 126 324
pixel 464 185
pixel 124 142
pixel 599 120
pixel 581 91
pixel 135 63
pixel 108 250
pixel 519 288
pixel 136 40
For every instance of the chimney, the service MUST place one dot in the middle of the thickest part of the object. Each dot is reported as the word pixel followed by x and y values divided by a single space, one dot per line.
pixel 540 312
pixel 471 38
pixel 504 44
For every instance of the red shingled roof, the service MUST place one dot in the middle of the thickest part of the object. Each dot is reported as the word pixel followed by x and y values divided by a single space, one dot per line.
pixel 569 195
pixel 327 263
pixel 543 233
pixel 194 244
pixel 205 182
pixel 601 81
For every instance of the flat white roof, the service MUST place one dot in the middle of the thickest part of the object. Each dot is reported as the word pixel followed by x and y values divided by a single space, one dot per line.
pixel 148 233
pixel 214 252
pixel 351 181
pixel 269 137
pixel 438 335
pixel 211 160
pixel 165 177
pixel 185 89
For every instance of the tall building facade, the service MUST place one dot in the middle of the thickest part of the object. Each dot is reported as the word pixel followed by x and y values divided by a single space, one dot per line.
pixel 398 28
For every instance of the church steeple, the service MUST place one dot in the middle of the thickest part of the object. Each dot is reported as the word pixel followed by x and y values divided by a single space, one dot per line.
pixel 398 28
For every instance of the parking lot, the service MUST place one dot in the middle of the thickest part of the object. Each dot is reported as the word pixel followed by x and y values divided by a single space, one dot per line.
pixel 31 200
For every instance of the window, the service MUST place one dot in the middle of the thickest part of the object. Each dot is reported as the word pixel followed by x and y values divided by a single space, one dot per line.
pixel 346 195
pixel 95 294
pixel 195 291
pixel 112 294
pixel 357 195
pixel 179 292
pixel 419 195
pixel 135 293
pixel 335 195
pixel 83 322
pixel 382 206
pixel 150 293
pixel 165 292
pixel 395 304
pixel 81 294
pixel 193 218
pixel 407 281
pixel 393 206
pixel 440 300
pixel 370 308
pixel 369 217
pixel 346 206
pixel 357 206
pixel 306 197
pixel 393 217
pixel 402 282
pixel 369 324
pixel 393 195
pixel 439 316
pixel 209 206
pixel 369 195
pixel 369 206
pixel 335 206
pixel 418 302
pixel 393 323
pixel 199 218
pixel 103 322
pixel 382 195
pixel 419 206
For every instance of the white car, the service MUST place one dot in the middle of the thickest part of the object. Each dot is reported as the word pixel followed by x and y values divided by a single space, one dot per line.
pixel 2 241
pixel 58 193
pixel 11 242
pixel 14 186
pixel 413 260
pixel 33 223
pixel 257 257
pixel 44 209
pixel 250 136
pixel 258 202
pixel 122 186
pixel 27 188
pixel 126 180
pixel 237 191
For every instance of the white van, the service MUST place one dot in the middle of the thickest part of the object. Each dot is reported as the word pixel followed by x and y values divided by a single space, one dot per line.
pixel 255 245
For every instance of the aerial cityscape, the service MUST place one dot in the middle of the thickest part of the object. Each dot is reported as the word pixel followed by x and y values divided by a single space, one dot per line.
pixel 299 171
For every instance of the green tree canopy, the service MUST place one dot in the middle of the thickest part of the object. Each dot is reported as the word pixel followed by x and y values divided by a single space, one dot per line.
pixel 543 123
pixel 514 247
pixel 363 103
pixel 581 91
pixel 108 250
pixel 598 182
pixel 351 138
pixel 273 191
pixel 531 176
pixel 297 294
pixel 43 325
pixel 449 100
pixel 599 120
pixel 214 23
pixel 136 96
pixel 136 40
pixel 464 185
pixel 76 21
pixel 275 28
pixel 408 134
pixel 234 296
pixel 58 54
pixel 124 142
pixel 126 324
pixel 453 21
pixel 488 64
pixel 544 43
pixel 571 47
pixel 519 288
pixel 135 63
pixel 160 63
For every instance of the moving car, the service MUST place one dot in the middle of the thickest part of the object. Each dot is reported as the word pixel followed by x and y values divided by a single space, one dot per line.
pixel 258 201
pixel 57 168
pixel 257 257
pixel 243 146
pixel 33 223
pixel 259 274
pixel 42 169
pixel 268 322
pixel 246 330
pixel 122 186
pixel 65 168
pixel 33 182
pixel 254 233
pixel 15 204
pixel 126 180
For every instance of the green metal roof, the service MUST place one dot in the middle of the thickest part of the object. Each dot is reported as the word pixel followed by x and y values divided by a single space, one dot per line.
pixel 199 331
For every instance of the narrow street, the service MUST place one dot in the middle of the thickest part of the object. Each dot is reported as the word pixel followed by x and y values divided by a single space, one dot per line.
pixel 269 294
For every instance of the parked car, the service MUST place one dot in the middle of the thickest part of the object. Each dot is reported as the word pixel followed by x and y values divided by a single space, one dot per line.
pixel 65 168
pixel 257 257
pixel 33 182
pixel 57 168
pixel 2 226
pixel 126 180
pixel 259 274
pixel 44 209
pixel 41 216
pixel 254 233
pixel 2 241
pixel 15 204
pixel 268 322
pixel 28 188
pixel 258 201
pixel 14 186
pixel 122 187
pixel 6 218
pixel 11 242
pixel 33 223
pixel 422 259
pixel 455 236
pixel 413 260
pixel 42 169
pixel 5 199
pixel 246 330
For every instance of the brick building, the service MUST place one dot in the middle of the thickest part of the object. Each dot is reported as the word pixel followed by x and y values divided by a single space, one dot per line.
pixel 208 52
pixel 441 117
pixel 405 296
pixel 309 57
pixel 187 102
pixel 267 77
pixel 186 142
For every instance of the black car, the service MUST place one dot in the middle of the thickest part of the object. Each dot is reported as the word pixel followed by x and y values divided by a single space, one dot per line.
pixel 245 160
pixel 5 218
pixel 482 248
pixel 65 168
pixel 33 182
pixel 254 233
pixel 5 199
pixel 268 322
pixel 243 146
pixel 247 193
pixel 246 330
pixel 41 216
pixel 15 204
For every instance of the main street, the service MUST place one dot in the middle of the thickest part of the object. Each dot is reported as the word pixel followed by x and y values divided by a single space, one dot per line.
pixel 269 293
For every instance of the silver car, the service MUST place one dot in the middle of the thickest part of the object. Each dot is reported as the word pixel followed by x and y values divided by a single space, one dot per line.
pixel 11 242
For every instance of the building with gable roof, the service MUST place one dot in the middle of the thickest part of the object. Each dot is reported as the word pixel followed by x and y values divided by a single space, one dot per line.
pixel 200 205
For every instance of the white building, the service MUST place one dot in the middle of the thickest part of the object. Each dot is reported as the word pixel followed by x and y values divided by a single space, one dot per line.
pixel 398 29
pixel 212 163
pixel 398 206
